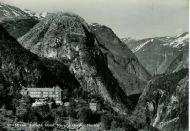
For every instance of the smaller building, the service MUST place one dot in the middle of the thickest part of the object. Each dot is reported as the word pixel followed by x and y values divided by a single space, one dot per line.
pixel 42 93
pixel 67 104
pixel 38 103
pixel 95 106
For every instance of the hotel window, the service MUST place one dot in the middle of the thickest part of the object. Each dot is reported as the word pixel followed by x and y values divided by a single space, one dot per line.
pixel 45 95
pixel 52 92
pixel 35 92
pixel 35 95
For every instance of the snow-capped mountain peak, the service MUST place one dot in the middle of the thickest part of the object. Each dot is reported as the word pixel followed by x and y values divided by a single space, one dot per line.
pixel 157 53
pixel 178 41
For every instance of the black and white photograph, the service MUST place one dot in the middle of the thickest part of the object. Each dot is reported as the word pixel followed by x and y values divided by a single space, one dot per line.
pixel 94 65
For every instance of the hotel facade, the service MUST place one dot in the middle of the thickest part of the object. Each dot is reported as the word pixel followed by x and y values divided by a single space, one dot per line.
pixel 40 93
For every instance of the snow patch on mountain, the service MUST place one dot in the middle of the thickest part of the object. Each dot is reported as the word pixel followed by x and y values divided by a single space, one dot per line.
pixel 179 41
pixel 142 45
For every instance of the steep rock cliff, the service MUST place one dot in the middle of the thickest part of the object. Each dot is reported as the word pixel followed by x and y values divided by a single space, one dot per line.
pixel 164 103
pixel 18 27
pixel 124 65
pixel 66 37
pixel 22 67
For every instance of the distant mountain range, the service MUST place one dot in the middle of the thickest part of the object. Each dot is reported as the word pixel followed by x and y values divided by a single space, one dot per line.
pixel 158 53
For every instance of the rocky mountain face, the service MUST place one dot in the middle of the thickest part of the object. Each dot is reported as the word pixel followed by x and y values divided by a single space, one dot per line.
pixel 131 43
pixel 21 68
pixel 94 62
pixel 157 54
pixel 18 27
pixel 16 21
pixel 62 73
pixel 164 102
pixel 8 11
pixel 180 62
pixel 123 64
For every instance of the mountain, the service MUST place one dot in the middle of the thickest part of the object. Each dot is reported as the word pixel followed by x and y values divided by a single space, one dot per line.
pixel 180 62
pixel 164 103
pixel 18 27
pixel 158 53
pixel 123 64
pixel 23 68
pixel 131 43
pixel 69 39
pixel 62 73
pixel 8 11
pixel 16 21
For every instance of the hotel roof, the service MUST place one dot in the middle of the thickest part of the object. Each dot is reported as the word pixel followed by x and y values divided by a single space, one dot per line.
pixel 43 89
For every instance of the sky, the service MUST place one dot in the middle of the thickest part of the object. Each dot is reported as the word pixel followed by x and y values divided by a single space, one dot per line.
pixel 127 18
